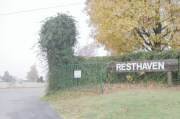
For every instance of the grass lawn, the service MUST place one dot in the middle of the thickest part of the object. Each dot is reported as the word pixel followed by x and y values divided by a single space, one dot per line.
pixel 163 103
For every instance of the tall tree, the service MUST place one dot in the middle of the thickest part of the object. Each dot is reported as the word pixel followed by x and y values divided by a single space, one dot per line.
pixel 57 39
pixel 32 75
pixel 128 25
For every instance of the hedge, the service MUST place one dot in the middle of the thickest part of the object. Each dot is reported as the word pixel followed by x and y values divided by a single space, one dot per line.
pixel 141 76
pixel 94 70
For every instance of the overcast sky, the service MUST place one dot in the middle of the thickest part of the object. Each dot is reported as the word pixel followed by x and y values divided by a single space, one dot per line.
pixel 20 23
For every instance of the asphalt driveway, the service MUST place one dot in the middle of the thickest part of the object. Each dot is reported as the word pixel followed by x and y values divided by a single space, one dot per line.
pixel 24 103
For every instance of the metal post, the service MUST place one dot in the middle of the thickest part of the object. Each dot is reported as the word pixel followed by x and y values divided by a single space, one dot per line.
pixel 169 80
pixel 101 85
pixel 179 67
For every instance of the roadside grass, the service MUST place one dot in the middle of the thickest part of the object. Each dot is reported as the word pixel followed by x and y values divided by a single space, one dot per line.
pixel 121 103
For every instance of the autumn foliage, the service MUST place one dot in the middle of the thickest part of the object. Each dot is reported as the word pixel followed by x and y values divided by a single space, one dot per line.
pixel 131 25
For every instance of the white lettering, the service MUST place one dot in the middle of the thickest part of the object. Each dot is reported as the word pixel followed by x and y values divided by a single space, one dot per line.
pixel 155 66
pixel 133 64
pixel 149 65
pixel 139 66
pixel 118 67
pixel 145 66
pixel 123 67
pixel 128 66
pixel 161 65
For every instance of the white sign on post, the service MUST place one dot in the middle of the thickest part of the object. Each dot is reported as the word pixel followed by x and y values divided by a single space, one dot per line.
pixel 77 73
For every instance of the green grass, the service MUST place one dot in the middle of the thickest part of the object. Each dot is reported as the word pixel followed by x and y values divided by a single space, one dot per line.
pixel 123 104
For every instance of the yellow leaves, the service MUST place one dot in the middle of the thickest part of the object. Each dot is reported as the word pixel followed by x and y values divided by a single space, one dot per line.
pixel 129 78
pixel 116 19
pixel 175 44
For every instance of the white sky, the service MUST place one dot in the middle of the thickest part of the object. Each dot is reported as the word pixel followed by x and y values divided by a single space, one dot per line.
pixel 19 32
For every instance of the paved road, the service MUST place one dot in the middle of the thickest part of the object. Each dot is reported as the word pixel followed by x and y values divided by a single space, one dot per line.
pixel 24 103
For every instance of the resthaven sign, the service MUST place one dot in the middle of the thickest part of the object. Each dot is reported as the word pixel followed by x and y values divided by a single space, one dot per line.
pixel 147 66
pixel 140 66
